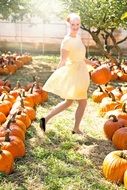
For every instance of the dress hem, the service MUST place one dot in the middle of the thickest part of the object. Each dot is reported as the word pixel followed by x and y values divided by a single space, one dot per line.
pixel 67 98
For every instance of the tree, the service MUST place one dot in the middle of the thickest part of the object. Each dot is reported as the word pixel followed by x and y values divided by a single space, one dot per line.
pixel 16 9
pixel 101 18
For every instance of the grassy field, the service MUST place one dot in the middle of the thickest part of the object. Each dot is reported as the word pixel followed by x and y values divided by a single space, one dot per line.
pixel 59 160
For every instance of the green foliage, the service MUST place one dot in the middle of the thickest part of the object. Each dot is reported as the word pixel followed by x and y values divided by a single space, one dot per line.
pixel 14 8
pixel 124 16
pixel 99 14
pixel 101 18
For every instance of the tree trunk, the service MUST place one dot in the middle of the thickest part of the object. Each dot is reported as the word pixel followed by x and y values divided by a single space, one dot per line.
pixel 100 46
pixel 116 47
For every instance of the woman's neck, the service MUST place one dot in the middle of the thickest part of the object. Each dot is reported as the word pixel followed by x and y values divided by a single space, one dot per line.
pixel 72 35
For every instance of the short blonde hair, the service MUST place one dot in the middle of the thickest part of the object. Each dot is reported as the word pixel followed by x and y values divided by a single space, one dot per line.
pixel 72 16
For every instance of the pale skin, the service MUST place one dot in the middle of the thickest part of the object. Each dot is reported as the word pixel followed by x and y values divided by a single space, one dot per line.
pixel 74 28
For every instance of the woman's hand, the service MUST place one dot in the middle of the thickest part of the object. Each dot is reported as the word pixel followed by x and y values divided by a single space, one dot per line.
pixel 94 64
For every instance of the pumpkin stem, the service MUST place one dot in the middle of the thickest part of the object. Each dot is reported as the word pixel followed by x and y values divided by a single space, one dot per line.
pixel 123 155
pixel 107 92
pixel 124 108
pixel 2 99
pixel 31 90
pixel 106 84
pixel 18 85
pixel 120 90
pixel 5 82
pixel 7 138
pixel 114 118
pixel 38 87
pixel 22 103
pixel 11 120
pixel 6 78
pixel 8 124
pixel 111 95
pixel 100 88
pixel 13 117
pixel 0 148
pixel 34 79
pixel 90 73
pixel 23 93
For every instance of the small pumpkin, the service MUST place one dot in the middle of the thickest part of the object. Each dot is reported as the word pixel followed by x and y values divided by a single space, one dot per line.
pixel 6 161
pixel 119 139
pixel 111 125
pixel 108 103
pixel 99 94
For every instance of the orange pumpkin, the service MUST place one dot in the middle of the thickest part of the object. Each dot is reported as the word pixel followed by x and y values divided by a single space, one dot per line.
pixel 125 179
pixel 114 166
pixel 111 125
pixel 14 130
pixel 6 161
pixel 119 139
pixel 14 145
pixel 107 104
pixel 101 75
pixel 24 118
pixel 99 94
pixel 2 118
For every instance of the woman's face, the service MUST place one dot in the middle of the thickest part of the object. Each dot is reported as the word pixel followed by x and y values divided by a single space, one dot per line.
pixel 74 25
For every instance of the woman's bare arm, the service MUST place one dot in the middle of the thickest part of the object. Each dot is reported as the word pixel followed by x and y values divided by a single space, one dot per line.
pixel 63 57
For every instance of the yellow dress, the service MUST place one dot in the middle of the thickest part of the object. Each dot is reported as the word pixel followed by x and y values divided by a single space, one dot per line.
pixel 70 81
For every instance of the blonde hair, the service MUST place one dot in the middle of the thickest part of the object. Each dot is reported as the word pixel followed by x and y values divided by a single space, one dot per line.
pixel 72 16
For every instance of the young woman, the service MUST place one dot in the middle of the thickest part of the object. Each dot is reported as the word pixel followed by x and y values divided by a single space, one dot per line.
pixel 71 79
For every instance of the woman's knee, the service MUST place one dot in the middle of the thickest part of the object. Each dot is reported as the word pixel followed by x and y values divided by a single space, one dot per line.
pixel 82 102
pixel 68 102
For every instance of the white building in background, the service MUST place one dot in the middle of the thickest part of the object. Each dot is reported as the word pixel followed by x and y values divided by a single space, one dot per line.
pixel 37 36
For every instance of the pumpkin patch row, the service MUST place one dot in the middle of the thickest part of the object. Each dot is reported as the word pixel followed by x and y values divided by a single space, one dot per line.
pixel 9 63
pixel 105 72
pixel 17 111
pixel 113 106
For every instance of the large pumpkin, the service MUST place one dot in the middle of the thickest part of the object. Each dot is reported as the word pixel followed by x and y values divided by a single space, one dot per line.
pixel 101 75
pixel 114 166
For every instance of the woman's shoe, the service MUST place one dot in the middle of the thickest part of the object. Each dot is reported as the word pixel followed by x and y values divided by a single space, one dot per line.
pixel 77 132
pixel 42 124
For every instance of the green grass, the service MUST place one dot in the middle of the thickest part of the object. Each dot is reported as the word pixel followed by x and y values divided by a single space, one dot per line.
pixel 59 160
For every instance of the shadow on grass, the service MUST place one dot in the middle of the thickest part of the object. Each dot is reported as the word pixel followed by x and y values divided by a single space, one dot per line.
pixel 26 73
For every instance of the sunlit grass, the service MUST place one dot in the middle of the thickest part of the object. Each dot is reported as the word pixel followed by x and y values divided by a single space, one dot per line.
pixel 58 160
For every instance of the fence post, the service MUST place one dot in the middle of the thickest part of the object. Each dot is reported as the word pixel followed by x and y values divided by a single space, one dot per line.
pixel 43 36
pixel 21 45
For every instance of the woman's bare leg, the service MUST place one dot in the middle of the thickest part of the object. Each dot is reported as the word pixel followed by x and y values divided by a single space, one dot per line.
pixel 79 114
pixel 58 108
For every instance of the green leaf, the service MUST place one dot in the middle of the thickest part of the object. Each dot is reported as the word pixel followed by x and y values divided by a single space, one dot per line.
pixel 124 16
